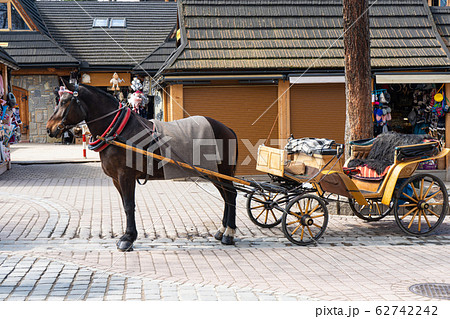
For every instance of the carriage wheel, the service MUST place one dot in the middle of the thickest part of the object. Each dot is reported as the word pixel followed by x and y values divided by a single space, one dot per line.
pixel 372 212
pixel 421 204
pixel 260 209
pixel 305 219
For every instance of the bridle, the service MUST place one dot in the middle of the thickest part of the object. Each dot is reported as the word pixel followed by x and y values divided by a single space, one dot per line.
pixel 62 126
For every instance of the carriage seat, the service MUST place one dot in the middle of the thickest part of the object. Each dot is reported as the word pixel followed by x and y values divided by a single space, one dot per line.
pixel 371 159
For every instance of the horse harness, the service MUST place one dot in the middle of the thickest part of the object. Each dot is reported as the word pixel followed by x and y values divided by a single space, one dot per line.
pixel 62 126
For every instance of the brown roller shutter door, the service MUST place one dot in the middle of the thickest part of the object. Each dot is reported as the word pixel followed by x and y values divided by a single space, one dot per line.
pixel 237 107
pixel 318 110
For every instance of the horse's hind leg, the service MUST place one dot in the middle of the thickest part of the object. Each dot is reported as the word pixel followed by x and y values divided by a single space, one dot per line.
pixel 127 186
pixel 226 233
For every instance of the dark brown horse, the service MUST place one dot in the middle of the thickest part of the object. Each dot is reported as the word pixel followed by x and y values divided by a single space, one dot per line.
pixel 99 109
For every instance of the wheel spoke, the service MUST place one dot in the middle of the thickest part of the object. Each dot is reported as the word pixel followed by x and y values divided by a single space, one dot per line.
pixel 301 212
pixel 426 219
pixel 303 233
pixel 293 222
pixel 428 190
pixel 317 226
pixel 415 201
pixel 274 217
pixel 414 190
pixel 296 228
pixel 407 205
pixel 258 206
pixel 317 216
pixel 412 210
pixel 432 212
pixel 267 216
pixel 420 214
pixel 310 213
pixel 260 213
pixel 412 220
pixel 307 205
pixel 310 233
pixel 428 198
pixel 296 215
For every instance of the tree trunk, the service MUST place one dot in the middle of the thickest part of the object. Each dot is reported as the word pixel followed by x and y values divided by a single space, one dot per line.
pixel 358 123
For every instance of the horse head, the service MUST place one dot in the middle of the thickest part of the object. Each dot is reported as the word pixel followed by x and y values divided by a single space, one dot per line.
pixel 69 111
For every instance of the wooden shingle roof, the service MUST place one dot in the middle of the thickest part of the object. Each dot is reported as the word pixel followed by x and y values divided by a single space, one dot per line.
pixel 71 25
pixel 32 49
pixel 35 48
pixel 6 59
pixel 301 34
pixel 156 59
pixel 441 17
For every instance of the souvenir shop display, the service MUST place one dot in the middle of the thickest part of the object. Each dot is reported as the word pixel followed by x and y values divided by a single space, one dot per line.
pixel 9 124
pixel 411 109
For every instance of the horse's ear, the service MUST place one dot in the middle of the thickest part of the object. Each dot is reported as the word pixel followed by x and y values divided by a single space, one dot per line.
pixel 68 85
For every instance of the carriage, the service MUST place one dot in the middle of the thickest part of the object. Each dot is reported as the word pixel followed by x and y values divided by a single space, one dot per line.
pixel 419 202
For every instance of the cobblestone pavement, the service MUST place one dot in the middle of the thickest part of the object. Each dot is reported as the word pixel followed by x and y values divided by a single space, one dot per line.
pixel 59 224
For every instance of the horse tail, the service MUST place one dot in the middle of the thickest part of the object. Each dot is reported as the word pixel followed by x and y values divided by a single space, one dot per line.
pixel 237 151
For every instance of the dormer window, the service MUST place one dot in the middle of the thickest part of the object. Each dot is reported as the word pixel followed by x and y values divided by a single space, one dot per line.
pixel 100 23
pixel 109 23
pixel 118 23
pixel 11 18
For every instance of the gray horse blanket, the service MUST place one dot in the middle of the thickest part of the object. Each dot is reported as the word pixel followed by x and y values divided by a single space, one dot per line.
pixel 190 140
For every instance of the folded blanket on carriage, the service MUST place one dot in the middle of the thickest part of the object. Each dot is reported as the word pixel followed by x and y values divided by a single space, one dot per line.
pixel 382 153
pixel 308 145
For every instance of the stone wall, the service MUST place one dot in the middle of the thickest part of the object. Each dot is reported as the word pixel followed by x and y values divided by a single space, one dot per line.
pixel 41 103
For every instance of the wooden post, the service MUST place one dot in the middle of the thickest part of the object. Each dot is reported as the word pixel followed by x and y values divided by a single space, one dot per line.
pixel 284 112
pixel 447 132
pixel 357 70
pixel 176 102
pixel 5 79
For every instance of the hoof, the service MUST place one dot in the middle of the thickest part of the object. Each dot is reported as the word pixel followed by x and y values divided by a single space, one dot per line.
pixel 124 246
pixel 228 240
pixel 218 235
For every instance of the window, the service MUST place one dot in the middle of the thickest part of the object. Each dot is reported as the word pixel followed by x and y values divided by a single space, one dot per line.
pixel 3 16
pixel 118 23
pixel 10 17
pixel 17 23
pixel 100 23
pixel 109 23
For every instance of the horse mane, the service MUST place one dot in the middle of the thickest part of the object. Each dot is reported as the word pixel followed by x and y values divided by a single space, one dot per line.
pixel 97 90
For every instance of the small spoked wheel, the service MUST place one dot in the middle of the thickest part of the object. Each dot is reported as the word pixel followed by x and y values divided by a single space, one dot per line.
pixel 305 219
pixel 372 212
pixel 261 211
pixel 421 204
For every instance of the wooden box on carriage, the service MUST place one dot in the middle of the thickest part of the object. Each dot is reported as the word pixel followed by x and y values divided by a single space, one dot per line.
pixel 271 160
pixel 276 162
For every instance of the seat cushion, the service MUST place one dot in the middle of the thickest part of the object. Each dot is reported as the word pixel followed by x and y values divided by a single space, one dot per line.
pixel 367 174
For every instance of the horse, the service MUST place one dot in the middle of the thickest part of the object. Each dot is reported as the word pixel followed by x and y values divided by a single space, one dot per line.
pixel 99 110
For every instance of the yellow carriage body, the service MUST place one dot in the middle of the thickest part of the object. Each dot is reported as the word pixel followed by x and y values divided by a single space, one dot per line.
pixel 327 174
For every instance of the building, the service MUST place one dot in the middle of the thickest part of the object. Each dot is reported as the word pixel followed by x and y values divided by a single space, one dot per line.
pixel 269 69
pixel 90 40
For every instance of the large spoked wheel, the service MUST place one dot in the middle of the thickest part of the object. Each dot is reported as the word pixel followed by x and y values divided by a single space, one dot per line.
pixel 372 212
pixel 305 219
pixel 261 211
pixel 421 204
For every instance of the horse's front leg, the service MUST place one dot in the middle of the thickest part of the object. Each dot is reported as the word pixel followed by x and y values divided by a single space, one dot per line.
pixel 127 186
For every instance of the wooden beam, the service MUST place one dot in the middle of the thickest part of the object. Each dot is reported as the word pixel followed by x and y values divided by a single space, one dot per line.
pixel 447 130
pixel 284 111
pixel 176 102
pixel 5 79
pixel 43 71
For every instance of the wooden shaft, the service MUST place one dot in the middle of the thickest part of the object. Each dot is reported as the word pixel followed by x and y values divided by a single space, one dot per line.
pixel 162 158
